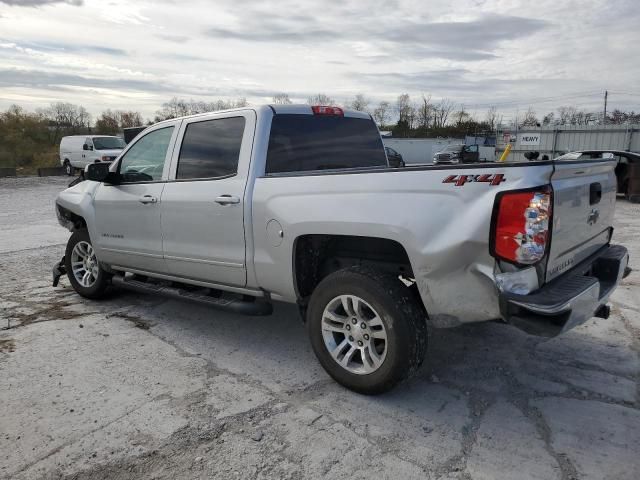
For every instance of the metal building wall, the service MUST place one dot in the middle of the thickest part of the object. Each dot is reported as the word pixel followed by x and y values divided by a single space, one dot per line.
pixel 555 141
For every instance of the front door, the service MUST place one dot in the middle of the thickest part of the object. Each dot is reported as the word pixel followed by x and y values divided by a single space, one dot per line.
pixel 203 202
pixel 127 224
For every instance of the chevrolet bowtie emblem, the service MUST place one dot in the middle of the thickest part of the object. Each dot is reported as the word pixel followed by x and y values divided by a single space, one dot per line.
pixel 593 216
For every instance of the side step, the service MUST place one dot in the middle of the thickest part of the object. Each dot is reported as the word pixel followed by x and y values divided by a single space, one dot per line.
pixel 257 307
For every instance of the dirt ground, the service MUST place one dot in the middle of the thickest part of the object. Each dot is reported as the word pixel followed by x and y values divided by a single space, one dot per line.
pixel 136 386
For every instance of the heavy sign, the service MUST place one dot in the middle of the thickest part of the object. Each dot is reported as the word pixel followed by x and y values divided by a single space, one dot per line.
pixel 529 139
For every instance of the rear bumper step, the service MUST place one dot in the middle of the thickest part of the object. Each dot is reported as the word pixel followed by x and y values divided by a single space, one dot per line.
pixel 570 299
pixel 257 307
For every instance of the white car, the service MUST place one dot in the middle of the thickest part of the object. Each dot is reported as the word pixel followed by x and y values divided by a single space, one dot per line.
pixel 78 151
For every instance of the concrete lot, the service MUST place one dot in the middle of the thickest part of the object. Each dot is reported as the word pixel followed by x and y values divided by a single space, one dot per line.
pixel 139 387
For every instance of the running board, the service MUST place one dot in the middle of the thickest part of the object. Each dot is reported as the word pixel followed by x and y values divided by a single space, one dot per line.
pixel 258 307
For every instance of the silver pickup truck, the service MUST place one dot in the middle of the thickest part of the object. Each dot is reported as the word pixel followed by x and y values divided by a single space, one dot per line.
pixel 242 208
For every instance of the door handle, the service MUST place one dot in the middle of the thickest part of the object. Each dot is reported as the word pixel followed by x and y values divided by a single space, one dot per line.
pixel 148 199
pixel 227 200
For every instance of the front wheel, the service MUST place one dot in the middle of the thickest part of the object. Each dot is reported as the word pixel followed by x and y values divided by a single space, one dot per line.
pixel 68 168
pixel 367 329
pixel 86 275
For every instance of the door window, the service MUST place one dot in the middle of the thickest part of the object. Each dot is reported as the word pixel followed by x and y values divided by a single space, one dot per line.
pixel 211 149
pixel 144 161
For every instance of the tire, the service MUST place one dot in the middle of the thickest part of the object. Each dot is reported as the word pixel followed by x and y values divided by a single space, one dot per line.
pixel 392 304
pixel 98 279
pixel 68 168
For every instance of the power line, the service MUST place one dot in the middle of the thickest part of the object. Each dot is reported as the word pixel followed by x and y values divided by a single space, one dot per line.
pixel 536 100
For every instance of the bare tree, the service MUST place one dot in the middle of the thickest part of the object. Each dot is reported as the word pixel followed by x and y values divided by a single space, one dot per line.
pixel 548 119
pixel 281 99
pixel 112 122
pixel 65 118
pixel 530 119
pixel 425 112
pixel 381 113
pixel 179 107
pixel 492 118
pixel 442 111
pixel 403 107
pixel 321 99
pixel 360 103
pixel 462 116
pixel 566 115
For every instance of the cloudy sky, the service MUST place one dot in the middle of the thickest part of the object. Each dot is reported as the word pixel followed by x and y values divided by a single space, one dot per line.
pixel 138 54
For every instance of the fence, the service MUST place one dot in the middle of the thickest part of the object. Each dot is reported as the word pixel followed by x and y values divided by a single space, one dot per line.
pixel 554 141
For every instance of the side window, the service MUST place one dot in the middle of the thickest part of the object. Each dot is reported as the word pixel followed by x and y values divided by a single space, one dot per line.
pixel 144 161
pixel 211 148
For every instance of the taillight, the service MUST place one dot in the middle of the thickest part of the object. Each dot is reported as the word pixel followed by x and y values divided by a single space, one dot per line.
pixel 521 226
pixel 324 110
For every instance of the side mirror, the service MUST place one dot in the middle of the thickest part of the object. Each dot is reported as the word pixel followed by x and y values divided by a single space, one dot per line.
pixel 85 147
pixel 99 172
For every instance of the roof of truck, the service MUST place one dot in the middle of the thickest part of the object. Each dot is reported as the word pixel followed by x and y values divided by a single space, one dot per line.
pixel 292 109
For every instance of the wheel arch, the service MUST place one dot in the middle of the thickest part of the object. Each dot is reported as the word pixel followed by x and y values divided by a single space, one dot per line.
pixel 317 255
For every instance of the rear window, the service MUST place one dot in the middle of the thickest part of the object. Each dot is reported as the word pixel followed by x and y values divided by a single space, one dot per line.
pixel 300 143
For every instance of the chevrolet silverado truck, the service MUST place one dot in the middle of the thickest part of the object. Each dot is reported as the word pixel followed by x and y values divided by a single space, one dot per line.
pixel 242 208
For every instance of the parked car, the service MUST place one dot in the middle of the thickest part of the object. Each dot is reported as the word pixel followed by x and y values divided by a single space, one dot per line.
pixel 242 208
pixel 395 159
pixel 454 154
pixel 78 151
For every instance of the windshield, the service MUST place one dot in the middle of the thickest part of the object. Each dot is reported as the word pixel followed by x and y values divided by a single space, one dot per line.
pixel 108 143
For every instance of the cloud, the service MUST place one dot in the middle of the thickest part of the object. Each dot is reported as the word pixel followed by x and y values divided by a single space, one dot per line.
pixel 44 79
pixel 469 40
pixel 39 3
pixel 173 38
pixel 72 48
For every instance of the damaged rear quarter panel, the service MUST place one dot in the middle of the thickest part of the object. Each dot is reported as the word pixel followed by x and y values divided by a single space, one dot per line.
pixel 443 227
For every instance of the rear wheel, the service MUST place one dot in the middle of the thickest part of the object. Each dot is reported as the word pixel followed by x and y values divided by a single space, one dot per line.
pixel 68 168
pixel 367 329
pixel 86 275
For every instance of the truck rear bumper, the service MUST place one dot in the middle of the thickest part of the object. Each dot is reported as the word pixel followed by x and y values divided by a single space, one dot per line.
pixel 570 299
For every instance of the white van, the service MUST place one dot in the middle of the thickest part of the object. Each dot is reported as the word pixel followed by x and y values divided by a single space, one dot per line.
pixel 77 151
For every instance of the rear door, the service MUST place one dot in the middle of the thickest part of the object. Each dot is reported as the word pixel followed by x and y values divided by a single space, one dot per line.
pixel 584 196
pixel 203 203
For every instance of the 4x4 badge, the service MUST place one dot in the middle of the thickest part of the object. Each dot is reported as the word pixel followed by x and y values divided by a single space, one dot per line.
pixel 460 180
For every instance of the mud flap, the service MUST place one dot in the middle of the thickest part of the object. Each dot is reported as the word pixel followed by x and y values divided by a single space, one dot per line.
pixel 58 270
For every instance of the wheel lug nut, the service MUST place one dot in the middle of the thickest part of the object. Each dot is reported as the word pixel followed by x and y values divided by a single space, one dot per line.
pixel 350 338
pixel 359 343
pixel 363 325
pixel 366 337
pixel 348 327
pixel 354 320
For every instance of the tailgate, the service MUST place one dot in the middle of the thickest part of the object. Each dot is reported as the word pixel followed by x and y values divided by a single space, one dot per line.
pixel 584 195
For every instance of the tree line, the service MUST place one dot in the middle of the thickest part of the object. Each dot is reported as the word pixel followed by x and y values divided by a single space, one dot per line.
pixel 32 138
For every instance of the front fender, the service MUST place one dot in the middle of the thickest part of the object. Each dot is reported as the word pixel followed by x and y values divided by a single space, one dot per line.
pixel 78 201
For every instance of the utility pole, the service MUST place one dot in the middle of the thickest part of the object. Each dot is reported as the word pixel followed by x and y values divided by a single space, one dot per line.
pixel 604 116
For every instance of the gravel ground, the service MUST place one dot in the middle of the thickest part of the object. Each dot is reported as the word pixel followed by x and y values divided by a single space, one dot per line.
pixel 135 386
